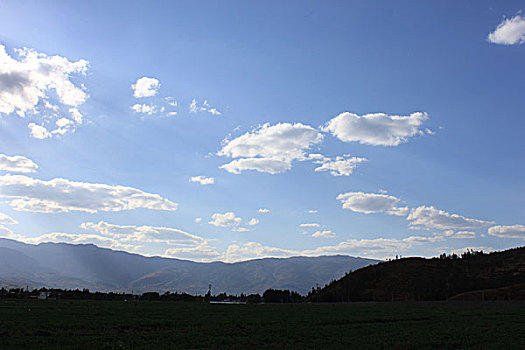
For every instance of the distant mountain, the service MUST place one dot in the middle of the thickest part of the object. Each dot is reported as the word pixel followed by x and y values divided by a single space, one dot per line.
pixel 71 266
pixel 473 276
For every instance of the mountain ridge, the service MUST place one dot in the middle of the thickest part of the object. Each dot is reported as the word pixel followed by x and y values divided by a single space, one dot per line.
pixel 72 266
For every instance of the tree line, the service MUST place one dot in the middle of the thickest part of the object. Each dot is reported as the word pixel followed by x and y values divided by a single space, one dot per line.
pixel 269 296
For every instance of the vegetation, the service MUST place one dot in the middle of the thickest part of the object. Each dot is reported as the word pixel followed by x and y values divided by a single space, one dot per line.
pixel 474 275
pixel 471 276
pixel 282 296
pixel 87 324
pixel 269 296
pixel 82 319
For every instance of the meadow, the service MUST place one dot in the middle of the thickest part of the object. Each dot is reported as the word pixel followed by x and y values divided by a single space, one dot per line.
pixel 64 324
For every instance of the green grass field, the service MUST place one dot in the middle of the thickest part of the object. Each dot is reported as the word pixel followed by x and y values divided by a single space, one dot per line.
pixel 156 325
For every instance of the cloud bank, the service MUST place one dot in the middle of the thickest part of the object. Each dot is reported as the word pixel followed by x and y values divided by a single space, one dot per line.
pixel 62 195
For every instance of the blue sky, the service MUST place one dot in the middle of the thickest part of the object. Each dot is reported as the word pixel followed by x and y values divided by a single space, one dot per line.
pixel 237 130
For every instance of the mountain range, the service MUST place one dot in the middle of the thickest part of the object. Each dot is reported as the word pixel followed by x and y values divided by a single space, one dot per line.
pixel 62 265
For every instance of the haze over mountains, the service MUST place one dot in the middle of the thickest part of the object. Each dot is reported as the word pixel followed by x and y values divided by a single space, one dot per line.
pixel 70 266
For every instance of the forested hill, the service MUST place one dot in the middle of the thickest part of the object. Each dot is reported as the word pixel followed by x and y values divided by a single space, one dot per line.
pixel 473 275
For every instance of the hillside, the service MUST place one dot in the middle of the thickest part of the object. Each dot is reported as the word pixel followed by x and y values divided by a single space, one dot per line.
pixel 496 275
pixel 81 266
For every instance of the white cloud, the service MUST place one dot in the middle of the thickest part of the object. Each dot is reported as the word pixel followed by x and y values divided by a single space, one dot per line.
pixel 253 222
pixel 17 164
pixel 76 115
pixel 26 82
pixel 263 210
pixel 509 32
pixel 63 123
pixel 203 180
pixel 75 238
pixel 432 218
pixel 422 217
pixel 62 195
pixel 340 165
pixel 205 107
pixel 146 234
pixel 193 106
pixel 225 220
pixel 460 234
pixel 270 148
pixel 324 234
pixel 145 87
pixel 424 239
pixel 369 203
pixel 63 126
pixel 201 251
pixel 254 250
pixel 214 111
pixel 171 101
pixel 7 220
pixel 376 129
pixel 309 225
pixel 132 238
pixel 198 220
pixel 312 211
pixel 50 106
pixel 364 247
pixel 7 233
pixel 372 248
pixel 29 82
pixel 263 165
pixel 283 141
pixel 38 131
pixel 511 231
pixel 144 108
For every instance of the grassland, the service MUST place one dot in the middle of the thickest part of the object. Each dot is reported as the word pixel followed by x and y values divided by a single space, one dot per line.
pixel 158 325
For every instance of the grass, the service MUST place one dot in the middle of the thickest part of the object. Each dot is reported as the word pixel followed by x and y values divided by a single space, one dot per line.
pixel 159 325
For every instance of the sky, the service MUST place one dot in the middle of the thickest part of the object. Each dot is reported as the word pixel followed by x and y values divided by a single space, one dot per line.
pixel 236 130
